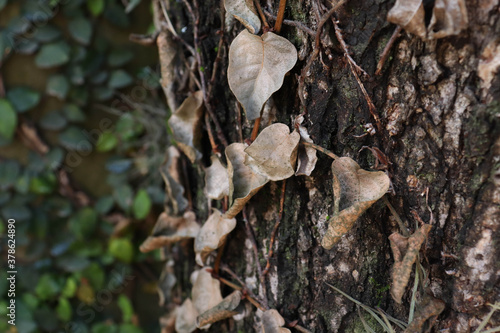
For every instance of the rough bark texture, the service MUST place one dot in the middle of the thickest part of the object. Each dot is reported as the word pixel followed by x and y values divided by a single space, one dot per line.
pixel 441 133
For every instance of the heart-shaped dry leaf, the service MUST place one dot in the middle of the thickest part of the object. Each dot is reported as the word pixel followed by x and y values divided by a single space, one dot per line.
pixel 169 229
pixel 185 321
pixel 272 322
pixel 405 251
pixel 206 291
pixel 355 190
pixel 243 182
pixel 410 15
pixel 216 180
pixel 449 17
pixel 244 11
pixel 257 66
pixel 212 235
pixel 175 201
pixel 227 308
pixel 306 156
pixel 186 122
pixel 274 152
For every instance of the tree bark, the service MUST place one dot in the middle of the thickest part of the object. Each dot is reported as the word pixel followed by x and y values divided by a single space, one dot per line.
pixel 440 131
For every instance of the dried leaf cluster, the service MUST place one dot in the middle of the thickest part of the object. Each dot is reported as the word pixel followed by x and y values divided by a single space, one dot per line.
pixel 449 17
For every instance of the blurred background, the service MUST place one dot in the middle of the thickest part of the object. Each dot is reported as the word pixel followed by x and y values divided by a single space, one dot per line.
pixel 82 135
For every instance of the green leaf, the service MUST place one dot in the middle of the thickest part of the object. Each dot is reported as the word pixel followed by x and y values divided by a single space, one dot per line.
pixel 95 275
pixel 127 127
pixel 53 55
pixel 46 33
pixel 43 185
pixel 64 310
pixel 129 328
pixel 122 249
pixel 8 123
pixel 47 287
pixel 23 98
pixel 73 138
pixel 142 204
pixel 81 30
pixel 119 79
pixel 106 142
pixel 102 94
pixel 73 113
pixel 58 86
pixel 26 46
pixel 19 25
pixel 31 300
pixel 118 58
pixel 131 5
pixel 53 121
pixel 104 327
pixel 95 6
pixel 126 307
pixel 123 195
pixel 69 288
pixel 104 204
pixel 83 223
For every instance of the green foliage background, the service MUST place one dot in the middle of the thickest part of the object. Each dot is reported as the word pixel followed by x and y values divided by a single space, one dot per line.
pixel 69 72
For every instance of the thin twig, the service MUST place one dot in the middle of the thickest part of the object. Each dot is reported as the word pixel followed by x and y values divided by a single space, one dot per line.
pixel 319 148
pixel 281 15
pixel 275 230
pixel 402 227
pixel 354 70
pixel 251 236
pixel 215 149
pixel 220 252
pixel 255 130
pixel 296 24
pixel 262 16
pixel 387 48
pixel 228 270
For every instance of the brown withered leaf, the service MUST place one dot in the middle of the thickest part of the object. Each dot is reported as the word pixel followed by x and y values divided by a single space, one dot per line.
pixel 355 190
pixel 410 15
pixel 244 11
pixel 186 123
pixel 166 282
pixel 274 152
pixel 185 321
pixel 449 17
pixel 216 180
pixel 427 311
pixel 206 290
pixel 229 307
pixel 175 201
pixel 257 66
pixel 243 182
pixel 272 322
pixel 306 156
pixel 170 229
pixel 212 235
pixel 405 251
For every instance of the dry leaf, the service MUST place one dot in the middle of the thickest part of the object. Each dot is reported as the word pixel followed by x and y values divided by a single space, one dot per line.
pixel 410 15
pixel 225 309
pixel 206 291
pixel 257 66
pixel 166 282
pixel 489 64
pixel 274 152
pixel 449 17
pixel 244 11
pixel 167 321
pixel 212 235
pixel 169 229
pixel 355 190
pixel 216 180
pixel 272 322
pixel 185 321
pixel 427 312
pixel 176 203
pixel 243 182
pixel 306 156
pixel 186 123
pixel 405 251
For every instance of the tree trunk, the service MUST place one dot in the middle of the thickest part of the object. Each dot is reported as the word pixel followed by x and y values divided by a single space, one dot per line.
pixel 439 129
